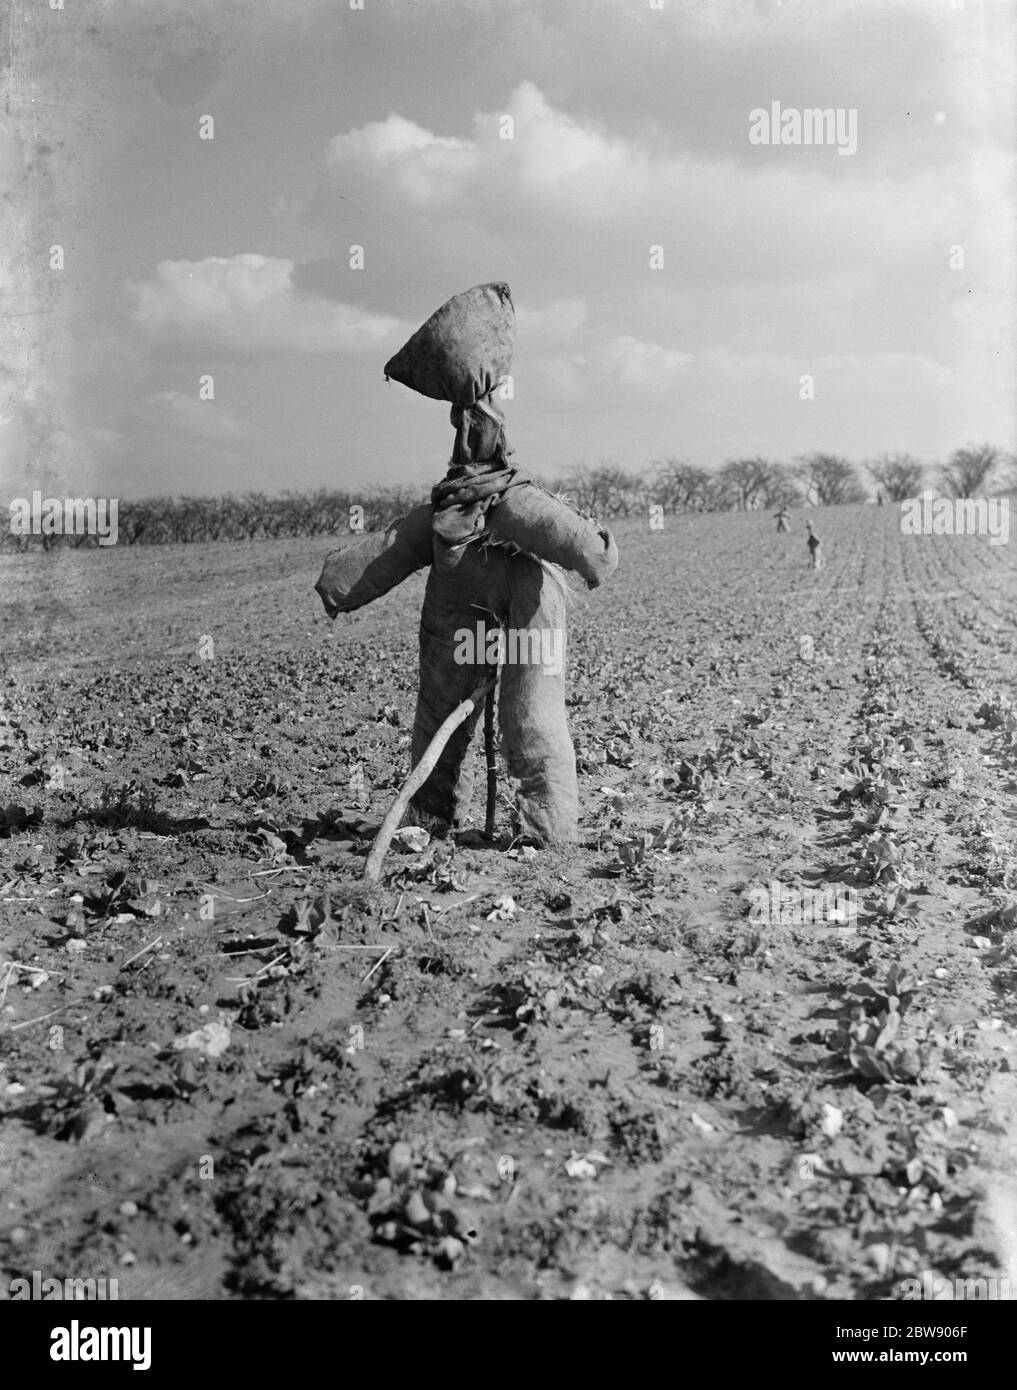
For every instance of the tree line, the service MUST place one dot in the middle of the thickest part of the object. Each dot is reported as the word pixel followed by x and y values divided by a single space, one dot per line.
pixel 605 490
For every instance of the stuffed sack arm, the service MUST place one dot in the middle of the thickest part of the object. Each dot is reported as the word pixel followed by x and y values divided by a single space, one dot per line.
pixel 548 528
pixel 369 565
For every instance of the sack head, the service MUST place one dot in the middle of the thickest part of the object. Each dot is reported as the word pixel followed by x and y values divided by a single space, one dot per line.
pixel 464 350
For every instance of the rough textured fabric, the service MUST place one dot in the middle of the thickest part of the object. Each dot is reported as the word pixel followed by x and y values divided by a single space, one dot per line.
pixel 367 566
pixel 494 587
pixel 480 433
pixel 544 526
pixel 463 350
pixel 464 497
pixel 471 483
pixel 495 584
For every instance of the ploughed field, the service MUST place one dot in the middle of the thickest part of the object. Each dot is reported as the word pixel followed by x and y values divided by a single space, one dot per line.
pixel 754 1038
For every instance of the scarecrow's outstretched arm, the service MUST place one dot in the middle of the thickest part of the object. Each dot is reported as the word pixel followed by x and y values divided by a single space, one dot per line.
pixel 369 565
pixel 548 528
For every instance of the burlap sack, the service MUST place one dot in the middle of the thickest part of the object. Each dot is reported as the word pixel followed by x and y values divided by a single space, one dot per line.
pixel 543 526
pixel 368 566
pixel 463 350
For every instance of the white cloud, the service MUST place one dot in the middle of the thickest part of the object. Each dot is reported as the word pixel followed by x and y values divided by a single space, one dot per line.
pixel 636 367
pixel 580 206
pixel 563 376
pixel 246 306
pixel 385 143
pixel 640 365
pixel 200 419
pixel 550 160
pixel 844 367
pixel 559 322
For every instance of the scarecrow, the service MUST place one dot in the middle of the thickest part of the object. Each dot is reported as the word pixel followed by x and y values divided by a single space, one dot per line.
pixel 815 547
pixel 497 545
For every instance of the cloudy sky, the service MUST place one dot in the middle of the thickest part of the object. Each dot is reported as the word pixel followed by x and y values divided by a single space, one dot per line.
pixel 384 128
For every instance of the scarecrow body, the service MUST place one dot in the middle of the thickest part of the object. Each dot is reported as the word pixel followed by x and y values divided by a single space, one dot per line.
pixel 491 582
pixel 815 547
pixel 496 544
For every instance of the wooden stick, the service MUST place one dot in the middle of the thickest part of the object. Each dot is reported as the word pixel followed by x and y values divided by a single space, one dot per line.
pixel 131 959
pixel 377 965
pixel 270 963
pixel 43 970
pixel 419 775
pixel 440 911
pixel 492 766
pixel 27 1023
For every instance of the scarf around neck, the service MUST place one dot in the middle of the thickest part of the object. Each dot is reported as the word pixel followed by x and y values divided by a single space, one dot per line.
pixel 464 496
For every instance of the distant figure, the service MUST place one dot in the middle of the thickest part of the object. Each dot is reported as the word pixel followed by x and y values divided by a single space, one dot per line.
pixel 815 547
pixel 782 520
pixel 879 499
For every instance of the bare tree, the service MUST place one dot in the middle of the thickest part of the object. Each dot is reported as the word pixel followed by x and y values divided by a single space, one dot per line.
pixel 780 488
pixel 191 518
pixel 606 490
pixel 576 484
pixel 1007 483
pixel 385 506
pixel 254 506
pixel 721 494
pixel 899 475
pixel 678 486
pixel 829 480
pixel 968 469
pixel 746 480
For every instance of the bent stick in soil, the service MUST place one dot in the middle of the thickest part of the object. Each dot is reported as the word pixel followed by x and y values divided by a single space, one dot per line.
pixel 420 774
pixel 492 768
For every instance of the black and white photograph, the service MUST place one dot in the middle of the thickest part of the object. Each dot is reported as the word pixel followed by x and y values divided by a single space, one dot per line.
pixel 508 642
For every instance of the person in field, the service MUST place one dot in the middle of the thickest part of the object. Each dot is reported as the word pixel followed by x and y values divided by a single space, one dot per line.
pixel 782 520
pixel 815 547
pixel 497 545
